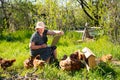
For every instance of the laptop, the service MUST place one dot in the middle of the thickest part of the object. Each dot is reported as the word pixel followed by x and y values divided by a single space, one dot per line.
pixel 55 40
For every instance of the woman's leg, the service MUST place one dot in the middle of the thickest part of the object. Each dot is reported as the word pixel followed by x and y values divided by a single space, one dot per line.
pixel 48 60
pixel 55 53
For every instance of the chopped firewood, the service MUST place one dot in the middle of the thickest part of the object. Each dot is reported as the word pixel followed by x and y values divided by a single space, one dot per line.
pixel 90 56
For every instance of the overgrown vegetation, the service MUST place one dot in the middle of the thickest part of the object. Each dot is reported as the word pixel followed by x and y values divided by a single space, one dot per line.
pixel 17 22
pixel 15 45
pixel 61 14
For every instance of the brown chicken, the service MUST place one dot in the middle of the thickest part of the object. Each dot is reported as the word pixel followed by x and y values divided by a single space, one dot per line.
pixel 106 58
pixel 28 63
pixel 78 55
pixel 4 63
pixel 64 57
pixel 73 62
pixel 37 62
pixel 70 64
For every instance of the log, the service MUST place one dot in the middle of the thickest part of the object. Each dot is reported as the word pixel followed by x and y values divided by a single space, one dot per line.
pixel 90 56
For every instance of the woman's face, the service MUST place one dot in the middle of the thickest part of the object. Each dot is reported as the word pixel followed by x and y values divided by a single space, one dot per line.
pixel 40 30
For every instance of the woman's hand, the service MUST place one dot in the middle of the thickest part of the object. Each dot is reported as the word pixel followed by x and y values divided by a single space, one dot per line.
pixel 61 33
pixel 43 46
pixel 58 32
pixel 55 32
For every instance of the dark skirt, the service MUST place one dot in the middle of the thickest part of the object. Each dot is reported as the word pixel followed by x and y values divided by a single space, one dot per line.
pixel 44 53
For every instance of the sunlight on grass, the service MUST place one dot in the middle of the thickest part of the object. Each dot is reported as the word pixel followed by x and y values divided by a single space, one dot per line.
pixel 18 48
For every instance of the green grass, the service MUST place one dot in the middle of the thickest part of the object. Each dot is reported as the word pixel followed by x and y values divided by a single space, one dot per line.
pixel 15 45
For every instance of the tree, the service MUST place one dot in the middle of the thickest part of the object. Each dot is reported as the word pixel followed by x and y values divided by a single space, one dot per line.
pixel 104 13
pixel 16 14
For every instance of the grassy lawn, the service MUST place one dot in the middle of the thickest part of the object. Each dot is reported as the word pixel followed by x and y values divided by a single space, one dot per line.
pixel 15 45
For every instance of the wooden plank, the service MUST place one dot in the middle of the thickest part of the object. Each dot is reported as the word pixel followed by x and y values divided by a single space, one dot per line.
pixel 95 27
pixel 80 31
pixel 84 34
pixel 55 40
pixel 90 57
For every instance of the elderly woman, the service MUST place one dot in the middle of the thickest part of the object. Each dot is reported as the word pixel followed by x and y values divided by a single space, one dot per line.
pixel 38 42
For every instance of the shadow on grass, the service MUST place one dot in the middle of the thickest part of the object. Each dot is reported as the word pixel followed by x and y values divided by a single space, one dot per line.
pixel 16 36
pixel 7 74
pixel 104 70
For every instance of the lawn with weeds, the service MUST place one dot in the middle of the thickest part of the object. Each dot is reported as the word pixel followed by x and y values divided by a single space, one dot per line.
pixel 16 46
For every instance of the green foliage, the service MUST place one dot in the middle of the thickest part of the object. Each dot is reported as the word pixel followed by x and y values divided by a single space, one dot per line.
pixel 105 14
pixel 56 14
pixel 18 49
pixel 15 36
pixel 62 15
